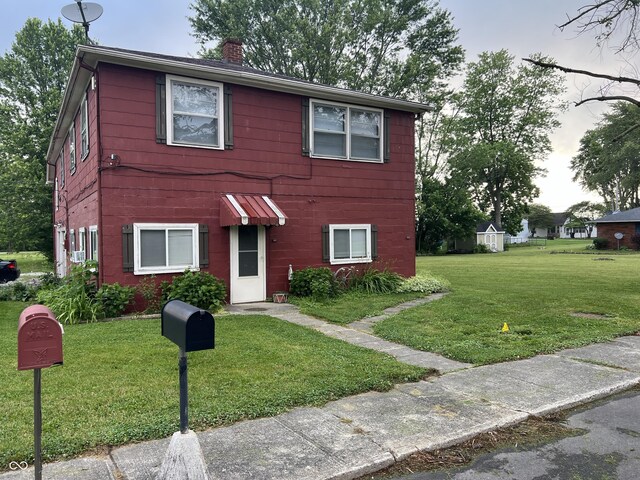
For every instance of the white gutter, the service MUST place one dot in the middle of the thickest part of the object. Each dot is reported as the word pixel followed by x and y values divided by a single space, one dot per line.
pixel 239 209
pixel 281 217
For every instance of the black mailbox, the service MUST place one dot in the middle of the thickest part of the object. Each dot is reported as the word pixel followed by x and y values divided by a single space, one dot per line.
pixel 187 326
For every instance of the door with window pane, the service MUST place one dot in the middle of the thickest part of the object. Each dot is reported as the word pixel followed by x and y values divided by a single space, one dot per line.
pixel 248 279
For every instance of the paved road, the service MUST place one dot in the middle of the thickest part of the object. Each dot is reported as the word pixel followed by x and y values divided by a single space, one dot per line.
pixel 608 449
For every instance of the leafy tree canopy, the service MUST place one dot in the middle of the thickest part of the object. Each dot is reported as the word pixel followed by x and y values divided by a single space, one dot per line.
pixel 33 75
pixel 608 161
pixel 391 47
pixel 506 113
pixel 445 211
pixel 581 213
pixel 540 216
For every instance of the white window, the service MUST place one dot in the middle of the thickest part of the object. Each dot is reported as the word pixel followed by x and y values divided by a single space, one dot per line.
pixel 350 243
pixel 56 196
pixel 72 240
pixel 93 243
pixel 347 132
pixel 165 248
pixel 82 241
pixel 194 113
pixel 72 149
pixel 84 128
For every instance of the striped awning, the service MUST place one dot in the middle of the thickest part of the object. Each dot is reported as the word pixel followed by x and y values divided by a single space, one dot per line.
pixel 250 210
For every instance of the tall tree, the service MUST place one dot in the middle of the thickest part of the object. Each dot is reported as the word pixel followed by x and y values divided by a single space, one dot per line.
pixel 33 75
pixel 539 216
pixel 582 213
pixel 506 113
pixel 445 211
pixel 608 161
pixel 391 47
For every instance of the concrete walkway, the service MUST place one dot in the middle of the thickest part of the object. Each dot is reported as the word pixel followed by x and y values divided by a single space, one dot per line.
pixel 357 435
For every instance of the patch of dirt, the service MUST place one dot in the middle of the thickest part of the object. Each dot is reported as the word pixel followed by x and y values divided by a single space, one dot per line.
pixel 596 316
pixel 532 432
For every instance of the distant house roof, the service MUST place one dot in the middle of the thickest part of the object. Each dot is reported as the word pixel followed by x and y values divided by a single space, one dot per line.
pixel 484 226
pixel 632 215
pixel 89 56
pixel 560 218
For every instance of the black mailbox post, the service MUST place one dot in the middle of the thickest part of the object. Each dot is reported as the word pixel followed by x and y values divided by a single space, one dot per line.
pixel 191 329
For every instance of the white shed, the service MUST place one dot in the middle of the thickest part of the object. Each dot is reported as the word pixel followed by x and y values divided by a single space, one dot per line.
pixel 488 234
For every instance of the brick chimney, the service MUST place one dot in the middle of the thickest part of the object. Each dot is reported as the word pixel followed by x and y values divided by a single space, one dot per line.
pixel 232 51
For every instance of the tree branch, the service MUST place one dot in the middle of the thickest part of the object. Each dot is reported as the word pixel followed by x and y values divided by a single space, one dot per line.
pixel 607 98
pixel 588 73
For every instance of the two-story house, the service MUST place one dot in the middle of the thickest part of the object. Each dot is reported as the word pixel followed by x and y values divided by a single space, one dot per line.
pixel 163 163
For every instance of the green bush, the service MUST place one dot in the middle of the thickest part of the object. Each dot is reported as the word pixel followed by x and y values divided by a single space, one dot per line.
pixel 71 303
pixel 318 283
pixel 423 284
pixel 481 248
pixel 600 243
pixel 372 280
pixel 200 289
pixel 114 299
pixel 151 293
pixel 18 292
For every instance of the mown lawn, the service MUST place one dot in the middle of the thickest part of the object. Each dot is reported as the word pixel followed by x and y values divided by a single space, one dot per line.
pixel 29 261
pixel 534 290
pixel 119 382
pixel 351 306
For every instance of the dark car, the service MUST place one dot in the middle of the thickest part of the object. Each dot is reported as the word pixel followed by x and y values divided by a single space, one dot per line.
pixel 9 271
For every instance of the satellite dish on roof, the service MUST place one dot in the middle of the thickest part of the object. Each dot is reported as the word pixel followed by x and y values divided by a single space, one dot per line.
pixel 83 13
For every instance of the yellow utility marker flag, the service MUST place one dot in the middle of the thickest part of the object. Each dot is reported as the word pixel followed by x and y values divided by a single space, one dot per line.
pixel 505 328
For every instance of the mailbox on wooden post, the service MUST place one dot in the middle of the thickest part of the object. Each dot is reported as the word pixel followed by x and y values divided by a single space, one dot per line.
pixel 39 346
pixel 191 329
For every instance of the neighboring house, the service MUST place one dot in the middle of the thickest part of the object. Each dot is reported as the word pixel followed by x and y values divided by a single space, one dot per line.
pixel 626 223
pixel 163 163
pixel 487 233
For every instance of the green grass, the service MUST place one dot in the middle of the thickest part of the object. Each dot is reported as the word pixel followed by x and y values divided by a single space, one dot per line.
pixel 534 291
pixel 119 382
pixel 351 306
pixel 29 261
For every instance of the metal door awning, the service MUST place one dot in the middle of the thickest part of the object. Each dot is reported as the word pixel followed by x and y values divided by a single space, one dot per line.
pixel 236 209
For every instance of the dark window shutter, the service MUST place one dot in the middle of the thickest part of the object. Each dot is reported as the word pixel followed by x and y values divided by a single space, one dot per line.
pixel 228 118
pixel 127 248
pixel 374 242
pixel 386 148
pixel 161 109
pixel 326 253
pixel 203 245
pixel 306 134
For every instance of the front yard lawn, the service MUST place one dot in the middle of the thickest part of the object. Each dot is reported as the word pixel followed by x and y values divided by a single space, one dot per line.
pixel 536 292
pixel 351 306
pixel 119 382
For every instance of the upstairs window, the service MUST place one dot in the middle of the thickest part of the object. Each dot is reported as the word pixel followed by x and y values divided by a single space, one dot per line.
pixel 346 132
pixel 194 113
pixel 72 149
pixel 84 128
pixel 62 171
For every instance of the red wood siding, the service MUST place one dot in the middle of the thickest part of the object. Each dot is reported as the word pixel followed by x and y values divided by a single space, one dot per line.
pixel 149 185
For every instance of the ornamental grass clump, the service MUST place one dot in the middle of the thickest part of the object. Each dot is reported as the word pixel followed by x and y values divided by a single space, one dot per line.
pixel 423 284
pixel 376 281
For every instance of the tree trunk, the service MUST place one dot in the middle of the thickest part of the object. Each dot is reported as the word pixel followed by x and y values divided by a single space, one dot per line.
pixel 497 209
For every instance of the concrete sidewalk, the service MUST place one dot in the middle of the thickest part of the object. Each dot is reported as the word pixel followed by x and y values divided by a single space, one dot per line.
pixel 360 434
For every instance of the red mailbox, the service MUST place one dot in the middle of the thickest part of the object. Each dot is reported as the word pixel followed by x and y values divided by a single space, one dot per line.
pixel 39 338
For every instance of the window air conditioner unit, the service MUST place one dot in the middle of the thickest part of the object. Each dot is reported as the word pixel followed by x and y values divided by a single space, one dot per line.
pixel 77 256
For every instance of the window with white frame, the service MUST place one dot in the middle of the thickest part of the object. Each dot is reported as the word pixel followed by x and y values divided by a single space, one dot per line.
pixel 72 149
pixel 93 243
pixel 56 196
pixel 350 243
pixel 165 248
pixel 72 240
pixel 346 132
pixel 194 113
pixel 82 240
pixel 84 128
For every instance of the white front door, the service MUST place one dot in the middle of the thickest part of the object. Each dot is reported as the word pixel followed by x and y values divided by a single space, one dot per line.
pixel 248 279
pixel 491 241
pixel 61 252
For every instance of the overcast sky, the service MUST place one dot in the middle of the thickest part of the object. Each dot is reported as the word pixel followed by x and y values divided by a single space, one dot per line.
pixel 521 26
